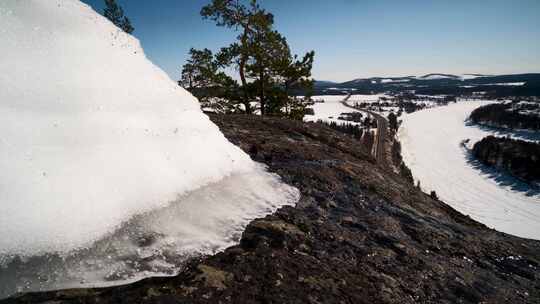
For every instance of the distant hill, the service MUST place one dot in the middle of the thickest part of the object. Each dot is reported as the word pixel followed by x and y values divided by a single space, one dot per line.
pixel 325 83
pixel 439 83
pixel 439 76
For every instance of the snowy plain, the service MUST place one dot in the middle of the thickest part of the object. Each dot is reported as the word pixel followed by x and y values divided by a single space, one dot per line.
pixel 330 109
pixel 431 147
pixel 96 143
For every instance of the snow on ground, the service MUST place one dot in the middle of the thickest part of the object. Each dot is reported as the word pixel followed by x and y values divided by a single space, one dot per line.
pixel 511 84
pixel 394 80
pixel 435 77
pixel 330 109
pixel 470 76
pixel 94 135
pixel 431 148
pixel 367 98
pixel 385 111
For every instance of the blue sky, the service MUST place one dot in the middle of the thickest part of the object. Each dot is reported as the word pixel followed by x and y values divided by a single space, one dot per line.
pixel 361 38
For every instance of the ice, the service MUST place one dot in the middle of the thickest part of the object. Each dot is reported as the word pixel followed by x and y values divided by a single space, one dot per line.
pixel 202 221
pixel 431 141
pixel 92 134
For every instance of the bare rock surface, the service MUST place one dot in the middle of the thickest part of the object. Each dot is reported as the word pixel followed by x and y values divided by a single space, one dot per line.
pixel 360 234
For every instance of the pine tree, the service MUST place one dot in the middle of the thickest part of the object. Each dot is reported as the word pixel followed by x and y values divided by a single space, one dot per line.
pixel 115 14
pixel 202 76
pixel 261 55
pixel 392 120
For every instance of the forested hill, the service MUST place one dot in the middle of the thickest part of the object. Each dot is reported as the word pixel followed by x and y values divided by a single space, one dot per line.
pixel 519 158
pixel 516 115
pixel 496 85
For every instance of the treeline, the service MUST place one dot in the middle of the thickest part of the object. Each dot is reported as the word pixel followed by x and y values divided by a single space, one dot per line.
pixel 504 116
pixel 357 117
pixel 348 128
pixel 352 116
pixel 520 158
pixel 366 137
pixel 398 162
pixel 268 72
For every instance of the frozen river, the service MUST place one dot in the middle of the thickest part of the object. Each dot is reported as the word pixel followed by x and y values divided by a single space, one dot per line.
pixel 431 143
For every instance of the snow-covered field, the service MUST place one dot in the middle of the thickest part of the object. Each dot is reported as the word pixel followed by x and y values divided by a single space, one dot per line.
pixel 330 109
pixel 367 98
pixel 95 143
pixel 431 141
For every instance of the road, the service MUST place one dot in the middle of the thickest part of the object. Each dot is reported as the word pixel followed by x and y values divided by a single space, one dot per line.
pixel 382 133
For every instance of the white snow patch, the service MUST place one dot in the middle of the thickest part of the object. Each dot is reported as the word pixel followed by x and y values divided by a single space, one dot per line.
pixel 508 84
pixel 471 76
pixel 394 81
pixel 435 77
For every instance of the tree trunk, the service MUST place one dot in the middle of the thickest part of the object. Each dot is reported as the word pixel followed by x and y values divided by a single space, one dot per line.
pixel 261 95
pixel 287 103
pixel 241 68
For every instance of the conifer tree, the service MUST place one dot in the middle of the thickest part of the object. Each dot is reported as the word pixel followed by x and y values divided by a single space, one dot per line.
pixel 261 55
pixel 392 120
pixel 202 76
pixel 115 14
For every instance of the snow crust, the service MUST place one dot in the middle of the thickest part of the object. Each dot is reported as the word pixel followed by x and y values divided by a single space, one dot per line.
pixel 432 148
pixel 92 133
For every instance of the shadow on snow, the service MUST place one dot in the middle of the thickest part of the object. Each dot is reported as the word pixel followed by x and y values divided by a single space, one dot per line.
pixel 502 178
pixel 527 135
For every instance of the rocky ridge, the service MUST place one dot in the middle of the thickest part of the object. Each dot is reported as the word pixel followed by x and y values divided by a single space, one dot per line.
pixel 360 234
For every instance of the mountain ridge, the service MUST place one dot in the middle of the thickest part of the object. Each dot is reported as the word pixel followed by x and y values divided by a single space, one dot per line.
pixel 527 84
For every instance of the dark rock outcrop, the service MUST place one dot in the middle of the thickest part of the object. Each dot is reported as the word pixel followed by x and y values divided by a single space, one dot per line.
pixel 360 234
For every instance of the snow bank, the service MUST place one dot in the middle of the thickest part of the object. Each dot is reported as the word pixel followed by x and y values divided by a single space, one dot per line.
pixel 431 146
pixel 92 133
